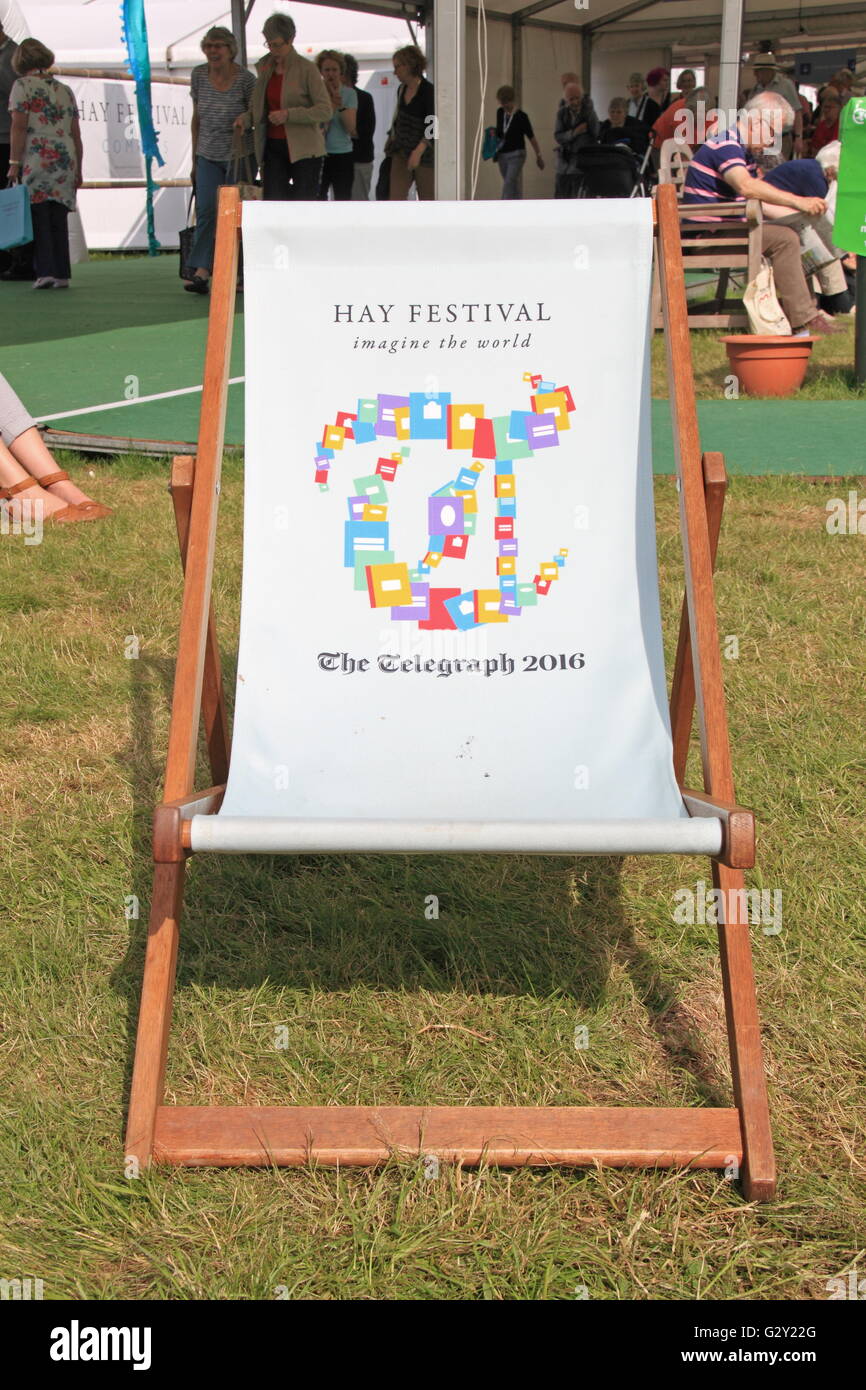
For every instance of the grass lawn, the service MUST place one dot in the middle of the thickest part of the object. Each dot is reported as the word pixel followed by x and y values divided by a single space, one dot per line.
pixel 339 954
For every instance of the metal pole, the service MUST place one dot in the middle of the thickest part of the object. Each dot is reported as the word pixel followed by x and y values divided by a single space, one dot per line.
pixel 517 58
pixel 860 324
pixel 239 29
pixel 586 60
pixel 729 57
pixel 449 66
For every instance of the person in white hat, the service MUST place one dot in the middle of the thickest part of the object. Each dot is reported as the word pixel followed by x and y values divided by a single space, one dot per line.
pixel 770 78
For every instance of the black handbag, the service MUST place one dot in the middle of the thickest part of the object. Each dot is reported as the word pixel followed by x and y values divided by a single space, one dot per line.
pixel 186 237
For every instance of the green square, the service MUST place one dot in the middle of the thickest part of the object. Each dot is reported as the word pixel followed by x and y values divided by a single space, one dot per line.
pixel 363 558
pixel 527 595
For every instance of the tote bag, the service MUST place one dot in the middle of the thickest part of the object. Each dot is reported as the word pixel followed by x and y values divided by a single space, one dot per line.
pixel 16 223
pixel 243 171
pixel 761 302
pixel 186 237
pixel 243 180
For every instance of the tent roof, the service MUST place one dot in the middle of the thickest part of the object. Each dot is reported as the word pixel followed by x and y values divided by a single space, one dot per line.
pixel 87 32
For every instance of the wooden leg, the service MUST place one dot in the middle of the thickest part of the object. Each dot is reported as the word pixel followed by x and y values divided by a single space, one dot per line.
pixel 154 1019
pixel 682 704
pixel 758 1173
pixel 213 705
pixel 656 310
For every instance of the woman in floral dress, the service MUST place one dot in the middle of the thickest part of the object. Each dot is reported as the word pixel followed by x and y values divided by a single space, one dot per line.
pixel 45 155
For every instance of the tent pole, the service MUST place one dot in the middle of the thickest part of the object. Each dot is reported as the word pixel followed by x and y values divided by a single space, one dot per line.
pixel 517 58
pixel 449 69
pixel 729 58
pixel 586 60
pixel 239 29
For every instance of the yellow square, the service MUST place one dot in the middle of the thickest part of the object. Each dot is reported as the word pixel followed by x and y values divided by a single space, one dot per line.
pixel 556 403
pixel 549 569
pixel 487 606
pixel 504 485
pixel 470 501
pixel 334 436
pixel 389 585
pixel 401 420
pixel 432 558
pixel 461 425
pixel 506 564
pixel 374 511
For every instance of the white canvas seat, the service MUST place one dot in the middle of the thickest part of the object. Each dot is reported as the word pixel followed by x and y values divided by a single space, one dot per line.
pixel 450 635
pixel 509 696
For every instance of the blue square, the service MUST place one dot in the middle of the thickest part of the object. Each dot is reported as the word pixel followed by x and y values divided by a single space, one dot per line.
pixel 364 432
pixel 363 535
pixel 462 610
pixel 428 414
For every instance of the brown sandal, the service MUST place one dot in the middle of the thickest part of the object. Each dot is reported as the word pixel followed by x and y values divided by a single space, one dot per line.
pixel 87 511
pixel 65 514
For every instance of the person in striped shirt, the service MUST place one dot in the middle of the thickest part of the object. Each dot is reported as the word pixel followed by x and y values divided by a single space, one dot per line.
pixel 723 171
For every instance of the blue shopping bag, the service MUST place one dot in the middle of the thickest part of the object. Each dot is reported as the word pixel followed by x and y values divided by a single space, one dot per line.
pixel 16 224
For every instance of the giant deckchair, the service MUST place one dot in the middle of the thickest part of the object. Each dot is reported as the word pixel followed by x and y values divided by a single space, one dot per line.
pixel 441 686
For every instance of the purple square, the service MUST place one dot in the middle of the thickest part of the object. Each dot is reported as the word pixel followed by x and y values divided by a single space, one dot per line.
pixel 508 548
pixel 385 422
pixel 510 607
pixel 445 516
pixel 409 611
pixel 541 431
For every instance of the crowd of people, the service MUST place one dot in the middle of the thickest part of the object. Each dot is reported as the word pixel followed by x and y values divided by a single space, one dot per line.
pixel 305 126
pixel 304 130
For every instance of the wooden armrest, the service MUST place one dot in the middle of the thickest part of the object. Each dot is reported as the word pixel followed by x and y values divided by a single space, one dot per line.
pixel 701 210
pixel 169 842
pixel 738 847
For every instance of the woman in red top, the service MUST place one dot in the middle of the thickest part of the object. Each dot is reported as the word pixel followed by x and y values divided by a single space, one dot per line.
pixel 827 128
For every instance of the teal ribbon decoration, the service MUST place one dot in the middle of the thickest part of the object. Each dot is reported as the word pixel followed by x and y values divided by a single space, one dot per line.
pixel 134 28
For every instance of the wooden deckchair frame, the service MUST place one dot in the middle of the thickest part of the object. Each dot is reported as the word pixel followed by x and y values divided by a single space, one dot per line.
pixel 698 1137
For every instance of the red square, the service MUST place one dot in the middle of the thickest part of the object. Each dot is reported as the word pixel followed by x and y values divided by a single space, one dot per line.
pixel 387 469
pixel 542 586
pixel 343 418
pixel 503 528
pixel 484 443
pixel 455 546
pixel 569 399
pixel 321 475
pixel 439 618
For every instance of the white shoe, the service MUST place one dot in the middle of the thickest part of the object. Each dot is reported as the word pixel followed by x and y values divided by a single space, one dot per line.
pixel 45 282
pixel 61 284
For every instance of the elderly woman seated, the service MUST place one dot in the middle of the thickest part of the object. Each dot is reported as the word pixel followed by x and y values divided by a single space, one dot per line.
pixel 622 129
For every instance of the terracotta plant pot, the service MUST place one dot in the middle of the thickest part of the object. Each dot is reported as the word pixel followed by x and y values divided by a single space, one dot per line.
pixel 768 364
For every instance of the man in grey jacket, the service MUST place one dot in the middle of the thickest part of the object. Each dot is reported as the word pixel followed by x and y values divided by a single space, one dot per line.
pixel 576 126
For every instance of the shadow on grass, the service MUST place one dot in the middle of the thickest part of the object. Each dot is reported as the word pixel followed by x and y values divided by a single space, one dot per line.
pixel 544 926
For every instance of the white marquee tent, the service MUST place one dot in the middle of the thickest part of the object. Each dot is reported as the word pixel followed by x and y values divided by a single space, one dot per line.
pixel 529 42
